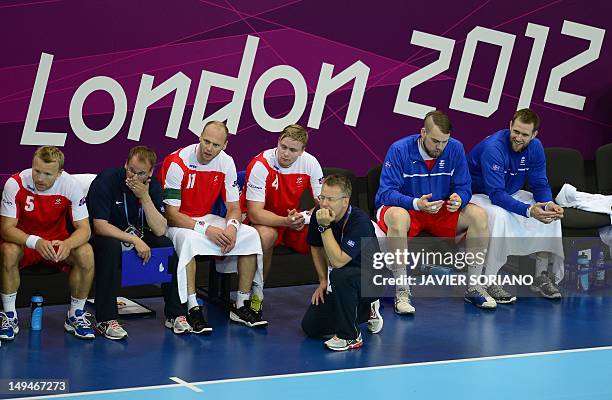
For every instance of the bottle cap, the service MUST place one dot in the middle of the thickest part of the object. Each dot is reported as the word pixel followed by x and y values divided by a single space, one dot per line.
pixel 37 298
pixel 583 259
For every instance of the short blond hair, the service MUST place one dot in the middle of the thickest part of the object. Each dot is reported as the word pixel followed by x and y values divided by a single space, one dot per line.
pixel 49 154
pixel 295 132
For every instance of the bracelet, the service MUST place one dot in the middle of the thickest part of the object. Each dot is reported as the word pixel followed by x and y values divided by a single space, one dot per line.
pixel 201 227
pixel 234 222
pixel 31 241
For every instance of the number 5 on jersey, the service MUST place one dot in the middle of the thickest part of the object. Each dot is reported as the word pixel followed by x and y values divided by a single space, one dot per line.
pixel 29 206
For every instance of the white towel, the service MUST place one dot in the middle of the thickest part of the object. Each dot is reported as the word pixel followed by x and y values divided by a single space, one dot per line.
pixel 506 229
pixel 569 196
pixel 189 243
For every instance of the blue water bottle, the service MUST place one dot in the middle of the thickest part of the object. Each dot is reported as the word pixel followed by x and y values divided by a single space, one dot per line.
pixel 582 273
pixel 37 312
pixel 600 271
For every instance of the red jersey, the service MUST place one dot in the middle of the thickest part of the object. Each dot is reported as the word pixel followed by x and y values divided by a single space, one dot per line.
pixel 43 213
pixel 281 188
pixel 195 187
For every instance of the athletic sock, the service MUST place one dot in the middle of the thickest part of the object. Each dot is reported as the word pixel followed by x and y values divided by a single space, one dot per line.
pixel 541 264
pixel 76 304
pixel 192 301
pixel 241 297
pixel 8 302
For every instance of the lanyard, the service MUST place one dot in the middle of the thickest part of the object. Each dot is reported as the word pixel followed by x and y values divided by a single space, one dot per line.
pixel 140 213
pixel 346 217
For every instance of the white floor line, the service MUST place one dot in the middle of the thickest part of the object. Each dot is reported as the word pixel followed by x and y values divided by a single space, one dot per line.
pixel 185 384
pixel 380 367
pixel 421 364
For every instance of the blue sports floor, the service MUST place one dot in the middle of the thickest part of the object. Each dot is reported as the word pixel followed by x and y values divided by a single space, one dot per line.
pixel 448 350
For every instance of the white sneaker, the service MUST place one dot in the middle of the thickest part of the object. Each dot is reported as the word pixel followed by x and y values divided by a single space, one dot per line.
pixel 375 320
pixel 338 344
pixel 178 325
pixel 478 296
pixel 402 303
pixel 111 330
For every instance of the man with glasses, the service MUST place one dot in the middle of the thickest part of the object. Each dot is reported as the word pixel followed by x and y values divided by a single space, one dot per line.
pixel 425 186
pixel 193 179
pixel 342 240
pixel 126 206
pixel 274 184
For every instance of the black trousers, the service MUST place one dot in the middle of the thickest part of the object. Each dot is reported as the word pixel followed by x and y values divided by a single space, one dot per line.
pixel 107 253
pixel 344 308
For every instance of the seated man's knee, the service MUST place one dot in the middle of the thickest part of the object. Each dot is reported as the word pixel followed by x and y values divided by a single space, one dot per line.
pixel 268 236
pixel 310 322
pixel 11 254
pixel 478 218
pixel 159 241
pixel 307 325
pixel 104 244
pixel 397 220
pixel 84 257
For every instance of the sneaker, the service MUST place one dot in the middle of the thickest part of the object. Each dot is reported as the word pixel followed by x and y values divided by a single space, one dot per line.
pixel 245 315
pixel 8 325
pixel 256 305
pixel 375 320
pixel 338 344
pixel 478 296
pixel 402 303
pixel 196 320
pixel 79 325
pixel 178 325
pixel 500 295
pixel 545 287
pixel 111 330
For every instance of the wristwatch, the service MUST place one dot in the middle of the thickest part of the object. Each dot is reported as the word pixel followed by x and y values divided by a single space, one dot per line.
pixel 323 228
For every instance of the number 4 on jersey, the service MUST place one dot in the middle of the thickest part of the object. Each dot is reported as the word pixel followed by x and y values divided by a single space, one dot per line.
pixel 275 183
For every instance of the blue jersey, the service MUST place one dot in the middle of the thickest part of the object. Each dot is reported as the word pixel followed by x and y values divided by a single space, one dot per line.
pixel 405 175
pixel 498 171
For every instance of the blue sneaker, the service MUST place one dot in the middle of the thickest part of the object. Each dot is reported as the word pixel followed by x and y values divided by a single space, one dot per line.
pixel 479 297
pixel 79 325
pixel 8 325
